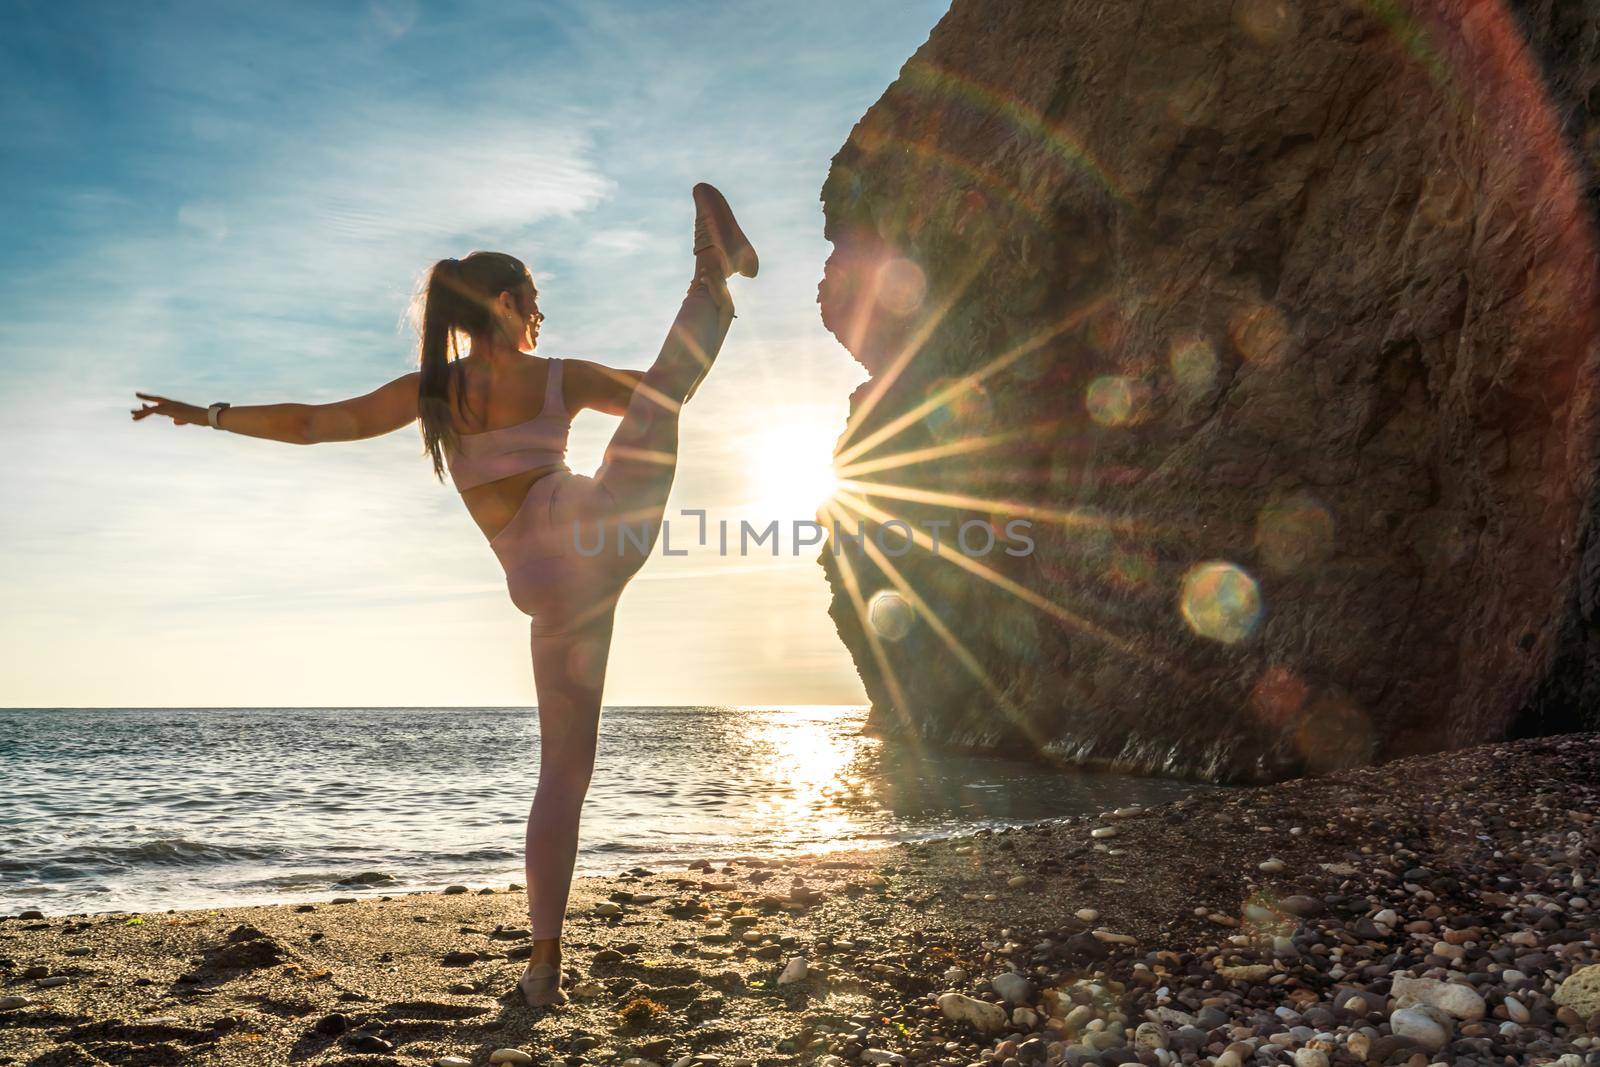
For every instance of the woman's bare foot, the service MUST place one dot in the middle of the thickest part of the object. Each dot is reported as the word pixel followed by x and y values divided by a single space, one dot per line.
pixel 541 981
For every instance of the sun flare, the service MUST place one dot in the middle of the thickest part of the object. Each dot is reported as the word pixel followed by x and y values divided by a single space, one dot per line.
pixel 791 470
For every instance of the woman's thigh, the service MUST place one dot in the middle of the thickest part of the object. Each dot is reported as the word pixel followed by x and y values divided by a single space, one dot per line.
pixel 568 558
pixel 569 671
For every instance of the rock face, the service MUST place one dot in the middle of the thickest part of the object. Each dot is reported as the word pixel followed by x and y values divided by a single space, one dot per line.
pixel 1275 319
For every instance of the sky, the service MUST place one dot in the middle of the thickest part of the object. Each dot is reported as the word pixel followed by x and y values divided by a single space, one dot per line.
pixel 235 202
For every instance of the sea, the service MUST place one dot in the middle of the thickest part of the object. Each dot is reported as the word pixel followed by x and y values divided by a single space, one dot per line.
pixel 144 809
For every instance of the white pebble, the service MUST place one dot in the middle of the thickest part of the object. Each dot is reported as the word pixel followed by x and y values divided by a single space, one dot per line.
pixel 979 1014
pixel 1421 1027
pixel 1271 866
pixel 1087 915
pixel 1012 987
pixel 514 1056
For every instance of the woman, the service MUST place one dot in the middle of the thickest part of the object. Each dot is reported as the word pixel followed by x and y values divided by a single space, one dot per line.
pixel 498 418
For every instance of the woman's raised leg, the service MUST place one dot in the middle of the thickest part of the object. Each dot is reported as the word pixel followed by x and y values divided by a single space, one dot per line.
pixel 642 458
pixel 569 671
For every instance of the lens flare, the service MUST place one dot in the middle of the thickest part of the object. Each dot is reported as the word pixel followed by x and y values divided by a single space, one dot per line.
pixel 1261 334
pixel 1132 568
pixel 966 413
pixel 1294 533
pixel 1194 364
pixel 1110 400
pixel 890 615
pixel 1220 601
pixel 1268 22
pixel 1278 696
pixel 1334 734
pixel 902 286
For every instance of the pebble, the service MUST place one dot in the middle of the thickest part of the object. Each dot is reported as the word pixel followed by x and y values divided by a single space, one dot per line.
pixel 979 1014
pixel 364 1041
pixel 514 1056
pixel 1422 1026
pixel 1103 832
pixel 1012 987
pixel 1112 938
pixel 12 1003
pixel 1272 866
pixel 794 971
pixel 878 1055
pixel 53 982
pixel 452 1061
pixel 1149 1037
pixel 1453 998
pixel 1087 915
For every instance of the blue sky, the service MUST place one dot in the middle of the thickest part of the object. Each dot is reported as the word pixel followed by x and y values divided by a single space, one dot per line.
pixel 216 201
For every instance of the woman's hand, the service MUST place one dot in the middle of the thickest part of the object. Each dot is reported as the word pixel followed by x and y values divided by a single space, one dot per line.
pixel 180 413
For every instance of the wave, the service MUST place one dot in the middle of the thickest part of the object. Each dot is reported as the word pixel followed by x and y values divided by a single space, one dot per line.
pixel 159 852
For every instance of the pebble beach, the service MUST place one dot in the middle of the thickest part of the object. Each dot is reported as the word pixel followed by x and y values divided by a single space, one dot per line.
pixel 1431 910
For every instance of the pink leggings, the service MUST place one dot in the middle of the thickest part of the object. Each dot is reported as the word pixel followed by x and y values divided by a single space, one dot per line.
pixel 568 553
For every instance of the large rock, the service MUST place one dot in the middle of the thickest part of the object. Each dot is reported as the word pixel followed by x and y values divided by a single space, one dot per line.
pixel 1580 991
pixel 1276 319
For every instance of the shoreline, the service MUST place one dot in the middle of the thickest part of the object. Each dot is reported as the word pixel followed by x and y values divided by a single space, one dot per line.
pixel 1255 925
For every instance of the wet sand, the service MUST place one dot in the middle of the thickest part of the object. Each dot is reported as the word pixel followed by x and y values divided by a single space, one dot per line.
pixel 1316 918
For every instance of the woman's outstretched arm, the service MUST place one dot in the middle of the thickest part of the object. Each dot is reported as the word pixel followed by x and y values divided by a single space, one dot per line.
pixel 385 409
pixel 597 387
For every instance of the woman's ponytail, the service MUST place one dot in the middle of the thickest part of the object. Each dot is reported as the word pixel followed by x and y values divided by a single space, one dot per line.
pixel 456 300
pixel 439 322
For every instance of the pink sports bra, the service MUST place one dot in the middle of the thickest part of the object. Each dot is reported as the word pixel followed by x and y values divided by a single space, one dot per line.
pixel 491 455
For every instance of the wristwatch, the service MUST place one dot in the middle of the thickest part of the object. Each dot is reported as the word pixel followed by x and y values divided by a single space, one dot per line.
pixel 213 413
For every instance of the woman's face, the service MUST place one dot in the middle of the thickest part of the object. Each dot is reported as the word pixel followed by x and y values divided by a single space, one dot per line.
pixel 520 317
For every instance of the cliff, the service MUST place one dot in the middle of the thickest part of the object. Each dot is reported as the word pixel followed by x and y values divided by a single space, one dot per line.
pixel 1275 320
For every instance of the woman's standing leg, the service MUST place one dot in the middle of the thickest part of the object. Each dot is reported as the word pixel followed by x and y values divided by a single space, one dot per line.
pixel 569 675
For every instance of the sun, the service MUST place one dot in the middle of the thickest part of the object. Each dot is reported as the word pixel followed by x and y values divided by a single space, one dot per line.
pixel 791 470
